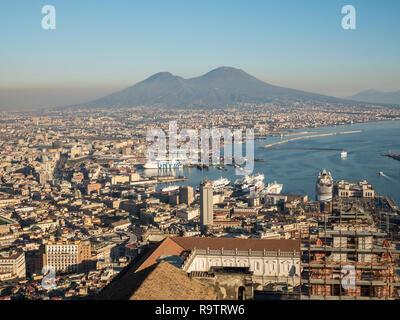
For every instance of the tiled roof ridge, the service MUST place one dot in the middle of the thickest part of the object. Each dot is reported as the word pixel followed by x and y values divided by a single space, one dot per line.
pixel 186 243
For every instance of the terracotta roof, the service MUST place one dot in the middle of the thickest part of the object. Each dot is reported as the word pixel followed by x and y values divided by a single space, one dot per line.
pixel 166 282
pixel 132 279
pixel 160 281
pixel 165 247
pixel 189 243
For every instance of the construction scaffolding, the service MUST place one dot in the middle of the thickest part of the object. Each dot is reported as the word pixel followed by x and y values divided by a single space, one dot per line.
pixel 351 257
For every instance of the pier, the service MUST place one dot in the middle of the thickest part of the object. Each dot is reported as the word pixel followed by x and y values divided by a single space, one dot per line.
pixel 317 149
pixel 393 156
pixel 309 137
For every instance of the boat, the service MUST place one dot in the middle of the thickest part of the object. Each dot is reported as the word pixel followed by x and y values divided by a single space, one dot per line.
pixel 259 177
pixel 343 154
pixel 324 186
pixel 163 164
pixel 220 183
pixel 241 181
pixel 253 187
pixel 170 188
pixel 252 184
pixel 273 188
pixel 381 173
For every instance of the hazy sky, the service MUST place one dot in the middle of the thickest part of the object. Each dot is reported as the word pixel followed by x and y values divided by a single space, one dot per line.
pixel 99 46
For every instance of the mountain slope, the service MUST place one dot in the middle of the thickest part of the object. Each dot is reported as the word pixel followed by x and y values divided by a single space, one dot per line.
pixel 375 96
pixel 219 87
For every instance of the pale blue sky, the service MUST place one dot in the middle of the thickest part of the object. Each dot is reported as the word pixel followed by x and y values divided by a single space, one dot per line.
pixel 104 45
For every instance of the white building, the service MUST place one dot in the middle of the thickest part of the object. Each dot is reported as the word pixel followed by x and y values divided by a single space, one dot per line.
pixel 66 256
pixel 270 260
pixel 188 213
pixel 12 265
pixel 267 266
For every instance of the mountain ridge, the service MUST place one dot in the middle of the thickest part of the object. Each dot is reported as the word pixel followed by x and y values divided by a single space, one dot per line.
pixel 221 86
pixel 377 96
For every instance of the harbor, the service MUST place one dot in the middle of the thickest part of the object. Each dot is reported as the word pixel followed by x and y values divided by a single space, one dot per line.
pixel 291 166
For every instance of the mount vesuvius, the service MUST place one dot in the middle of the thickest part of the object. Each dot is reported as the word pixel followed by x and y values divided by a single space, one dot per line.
pixel 220 87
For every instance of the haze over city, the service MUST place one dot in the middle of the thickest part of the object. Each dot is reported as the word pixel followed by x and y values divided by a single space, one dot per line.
pixel 98 48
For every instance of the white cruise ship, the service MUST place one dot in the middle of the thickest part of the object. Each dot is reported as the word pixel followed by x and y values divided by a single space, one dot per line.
pixel 254 183
pixel 324 186
pixel 239 182
pixel 273 188
pixel 220 183
pixel 163 164
pixel 170 188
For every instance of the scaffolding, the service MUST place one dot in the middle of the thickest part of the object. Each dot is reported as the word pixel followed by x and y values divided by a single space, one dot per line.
pixel 351 246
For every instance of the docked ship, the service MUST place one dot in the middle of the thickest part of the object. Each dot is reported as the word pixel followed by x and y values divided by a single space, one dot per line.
pixel 252 184
pixel 324 186
pixel 170 188
pixel 273 188
pixel 163 164
pixel 220 183
pixel 239 182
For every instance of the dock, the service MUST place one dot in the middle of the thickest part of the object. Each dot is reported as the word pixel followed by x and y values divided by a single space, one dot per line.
pixel 309 137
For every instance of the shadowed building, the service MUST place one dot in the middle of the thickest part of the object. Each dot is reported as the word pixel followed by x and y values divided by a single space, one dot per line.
pixel 186 195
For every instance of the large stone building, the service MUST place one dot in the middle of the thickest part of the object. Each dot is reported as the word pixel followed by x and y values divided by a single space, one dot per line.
pixel 362 189
pixel 268 260
pixel 66 256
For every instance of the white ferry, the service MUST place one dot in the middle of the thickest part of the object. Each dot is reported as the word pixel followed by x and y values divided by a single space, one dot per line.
pixel 163 164
pixel 273 188
pixel 254 183
pixel 220 183
pixel 170 188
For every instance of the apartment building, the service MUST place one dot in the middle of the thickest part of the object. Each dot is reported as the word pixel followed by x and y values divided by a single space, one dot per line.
pixel 66 256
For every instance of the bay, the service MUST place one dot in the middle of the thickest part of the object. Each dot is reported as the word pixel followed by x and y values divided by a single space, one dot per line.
pixel 298 169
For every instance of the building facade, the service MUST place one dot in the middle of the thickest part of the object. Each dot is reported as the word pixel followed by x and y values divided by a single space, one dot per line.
pixel 266 266
pixel 66 256
pixel 12 265
pixel 362 189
